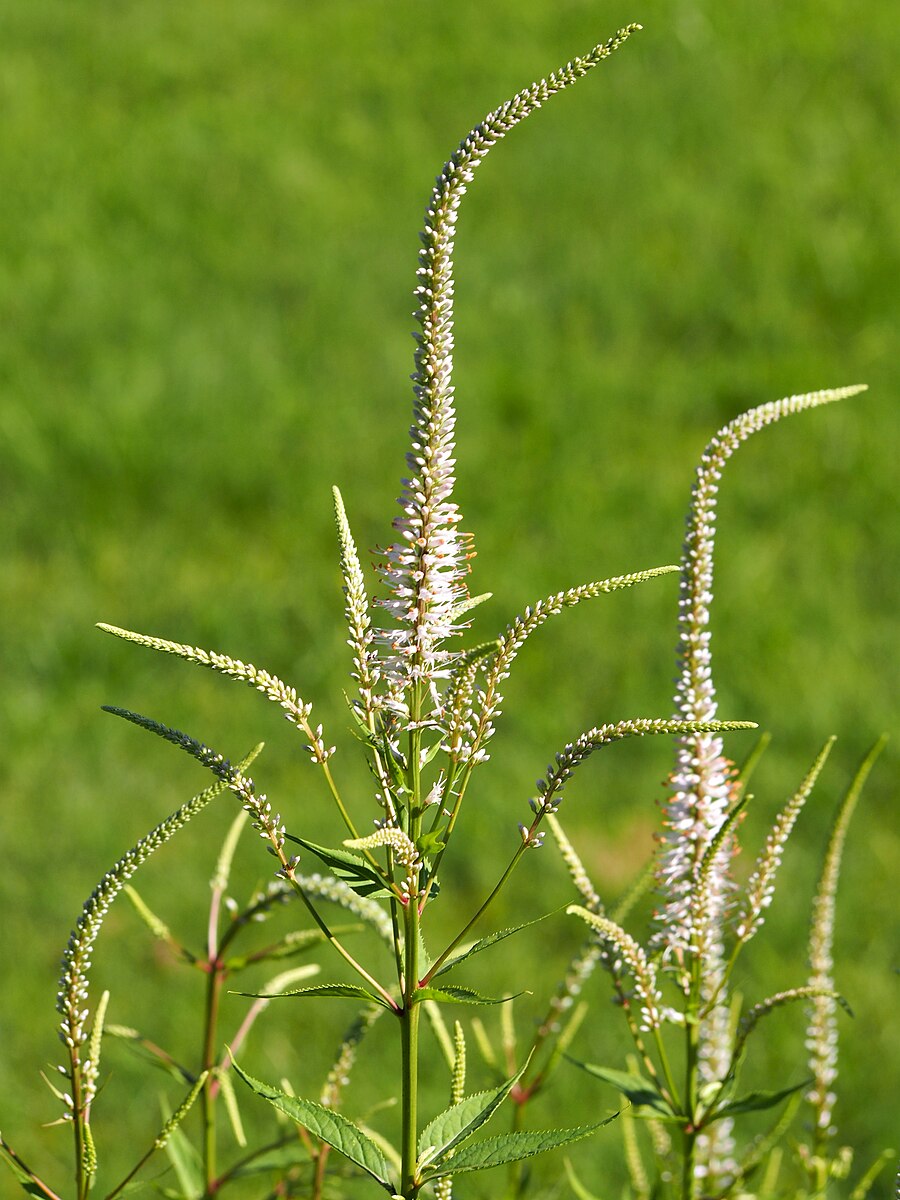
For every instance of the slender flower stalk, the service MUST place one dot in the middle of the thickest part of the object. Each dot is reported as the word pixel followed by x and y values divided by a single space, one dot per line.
pixel 822 1033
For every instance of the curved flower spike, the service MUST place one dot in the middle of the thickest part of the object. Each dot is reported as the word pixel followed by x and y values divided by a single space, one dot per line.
pixel 425 569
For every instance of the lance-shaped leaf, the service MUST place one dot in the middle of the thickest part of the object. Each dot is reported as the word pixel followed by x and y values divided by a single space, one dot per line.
pixel 486 942
pixel 458 1122
pixel 459 995
pixel 757 1101
pixel 509 1148
pixel 352 870
pixel 352 990
pixel 331 1127
pixel 640 1091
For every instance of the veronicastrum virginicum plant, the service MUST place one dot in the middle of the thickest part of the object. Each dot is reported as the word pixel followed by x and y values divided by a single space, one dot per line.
pixel 424 710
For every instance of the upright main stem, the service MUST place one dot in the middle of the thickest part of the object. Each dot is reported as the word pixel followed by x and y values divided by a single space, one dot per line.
pixel 409 1017
pixel 409 1033
pixel 691 1085
pixel 207 1099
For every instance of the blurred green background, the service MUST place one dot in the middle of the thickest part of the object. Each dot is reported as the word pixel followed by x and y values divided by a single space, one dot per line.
pixel 206 260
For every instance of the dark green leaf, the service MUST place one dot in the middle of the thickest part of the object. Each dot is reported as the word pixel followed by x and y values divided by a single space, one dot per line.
pixel 510 1147
pixel 460 1121
pixel 460 995
pixel 637 1089
pixel 490 940
pixel 323 989
pixel 330 1126
pixel 349 867
pixel 757 1101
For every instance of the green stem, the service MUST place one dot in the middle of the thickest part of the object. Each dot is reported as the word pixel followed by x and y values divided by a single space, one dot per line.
pixel 692 1064
pixel 448 950
pixel 409 1034
pixel 82 1180
pixel 207 1100
pixel 329 936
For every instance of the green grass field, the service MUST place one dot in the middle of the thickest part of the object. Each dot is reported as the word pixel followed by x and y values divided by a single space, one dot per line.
pixel 207 250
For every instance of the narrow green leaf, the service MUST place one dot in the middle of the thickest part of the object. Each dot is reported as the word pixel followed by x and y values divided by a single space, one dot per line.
pixel 459 1121
pixel 757 1101
pixel 24 1175
pixel 290 1155
pixel 492 938
pixel 348 867
pixel 460 995
pixel 637 1089
pixel 508 1148
pixel 331 1127
pixel 186 1163
pixel 323 989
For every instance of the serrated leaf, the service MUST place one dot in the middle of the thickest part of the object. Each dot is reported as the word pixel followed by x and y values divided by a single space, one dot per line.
pixel 634 1087
pixel 348 867
pixel 509 1148
pixel 459 1121
pixel 490 940
pixel 323 989
pixel 24 1175
pixel 460 995
pixel 333 1128
pixel 757 1101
